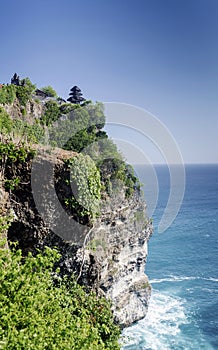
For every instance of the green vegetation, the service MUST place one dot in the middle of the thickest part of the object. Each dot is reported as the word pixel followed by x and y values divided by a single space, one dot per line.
pixel 12 152
pixel 5 222
pixel 38 312
pixel 12 155
pixel 23 92
pixel 52 113
pixel 18 128
pixel 79 128
pixel 7 94
pixel 28 84
pixel 81 131
pixel 86 186
pixel 5 122
pixel 49 91
pixel 34 133
pixel 115 173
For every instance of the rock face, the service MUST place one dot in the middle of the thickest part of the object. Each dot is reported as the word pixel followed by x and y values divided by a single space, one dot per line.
pixel 121 237
pixel 112 260
pixel 111 256
pixel 33 110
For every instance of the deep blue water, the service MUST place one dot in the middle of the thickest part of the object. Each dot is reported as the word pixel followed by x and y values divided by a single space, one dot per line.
pixel 182 268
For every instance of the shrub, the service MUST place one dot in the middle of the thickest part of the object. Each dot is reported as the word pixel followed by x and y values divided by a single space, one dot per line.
pixel 36 313
pixel 23 94
pixel 112 167
pixel 67 107
pixel 10 156
pixel 49 91
pixel 7 94
pixel 52 113
pixel 28 84
pixel 80 126
pixel 32 132
pixel 86 186
pixel 5 122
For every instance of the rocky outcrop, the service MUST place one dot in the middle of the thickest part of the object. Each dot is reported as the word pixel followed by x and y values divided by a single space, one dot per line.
pixel 33 110
pixel 119 251
pixel 110 258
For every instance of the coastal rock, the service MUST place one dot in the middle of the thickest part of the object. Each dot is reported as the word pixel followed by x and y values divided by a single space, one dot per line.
pixel 108 255
pixel 123 234
pixel 32 110
pixel 112 260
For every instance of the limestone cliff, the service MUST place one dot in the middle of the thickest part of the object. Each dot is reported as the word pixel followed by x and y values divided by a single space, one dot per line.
pixel 110 255
pixel 113 259
pixel 32 110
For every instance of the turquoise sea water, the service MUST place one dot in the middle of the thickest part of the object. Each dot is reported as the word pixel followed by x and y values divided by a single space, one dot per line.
pixel 182 268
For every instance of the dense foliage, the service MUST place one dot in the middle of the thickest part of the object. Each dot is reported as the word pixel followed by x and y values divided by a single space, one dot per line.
pixel 38 310
pixel 86 185
pixel 29 132
pixel 11 156
pixel 12 152
pixel 114 171
pixel 52 112
pixel 20 129
pixel 38 314
pixel 5 122
pixel 28 84
pixel 7 94
pixel 49 91
pixel 78 127
pixel 23 92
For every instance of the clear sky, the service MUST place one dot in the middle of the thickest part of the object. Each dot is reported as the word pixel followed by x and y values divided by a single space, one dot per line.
pixel 158 55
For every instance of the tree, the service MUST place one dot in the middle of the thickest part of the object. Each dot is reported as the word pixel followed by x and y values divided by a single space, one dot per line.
pixel 75 95
pixel 52 112
pixel 28 84
pixel 49 91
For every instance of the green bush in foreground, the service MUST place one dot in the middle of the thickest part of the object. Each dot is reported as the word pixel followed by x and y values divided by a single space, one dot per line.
pixel 36 313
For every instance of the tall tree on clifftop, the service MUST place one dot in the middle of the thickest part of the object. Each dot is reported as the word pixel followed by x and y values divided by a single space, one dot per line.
pixel 75 95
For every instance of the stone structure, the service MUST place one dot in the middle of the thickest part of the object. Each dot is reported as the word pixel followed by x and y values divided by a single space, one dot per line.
pixel 15 80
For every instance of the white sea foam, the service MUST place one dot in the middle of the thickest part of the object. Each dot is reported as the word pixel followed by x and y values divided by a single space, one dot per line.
pixel 212 279
pixel 162 329
pixel 182 278
pixel 172 279
pixel 165 315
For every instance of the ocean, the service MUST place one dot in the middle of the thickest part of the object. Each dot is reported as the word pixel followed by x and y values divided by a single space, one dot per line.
pixel 182 268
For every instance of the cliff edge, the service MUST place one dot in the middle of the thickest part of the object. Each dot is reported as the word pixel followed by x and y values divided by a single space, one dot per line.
pixel 105 248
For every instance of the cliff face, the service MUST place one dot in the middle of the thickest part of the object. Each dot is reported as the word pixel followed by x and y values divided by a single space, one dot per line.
pixel 123 232
pixel 112 260
pixel 107 255
pixel 32 110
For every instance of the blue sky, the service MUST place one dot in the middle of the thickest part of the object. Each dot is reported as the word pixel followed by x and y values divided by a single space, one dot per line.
pixel 158 55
